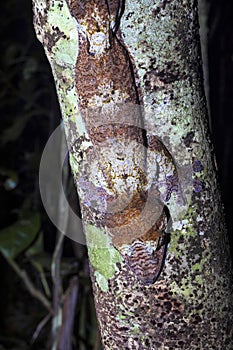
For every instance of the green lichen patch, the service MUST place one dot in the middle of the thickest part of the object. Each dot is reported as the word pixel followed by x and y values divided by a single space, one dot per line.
pixel 66 48
pixel 101 281
pixel 183 231
pixel 178 238
pixel 198 266
pixel 103 256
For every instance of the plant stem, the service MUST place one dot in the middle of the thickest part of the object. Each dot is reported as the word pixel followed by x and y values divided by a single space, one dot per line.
pixel 29 285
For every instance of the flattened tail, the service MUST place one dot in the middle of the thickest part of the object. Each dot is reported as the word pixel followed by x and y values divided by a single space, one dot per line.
pixel 146 264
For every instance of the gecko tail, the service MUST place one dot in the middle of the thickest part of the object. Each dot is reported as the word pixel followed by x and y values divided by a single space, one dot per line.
pixel 145 263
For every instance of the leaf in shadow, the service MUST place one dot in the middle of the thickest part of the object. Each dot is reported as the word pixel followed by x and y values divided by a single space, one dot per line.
pixel 16 238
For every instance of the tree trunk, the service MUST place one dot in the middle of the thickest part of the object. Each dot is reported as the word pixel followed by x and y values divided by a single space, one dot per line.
pixel 128 77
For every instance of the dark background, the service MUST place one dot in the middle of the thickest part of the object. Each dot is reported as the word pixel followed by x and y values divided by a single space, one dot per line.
pixel 29 114
pixel 220 51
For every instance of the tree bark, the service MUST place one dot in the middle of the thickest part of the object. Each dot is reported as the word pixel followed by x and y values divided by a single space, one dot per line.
pixel 188 305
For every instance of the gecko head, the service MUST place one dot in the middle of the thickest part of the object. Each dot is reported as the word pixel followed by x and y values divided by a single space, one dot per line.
pixel 93 22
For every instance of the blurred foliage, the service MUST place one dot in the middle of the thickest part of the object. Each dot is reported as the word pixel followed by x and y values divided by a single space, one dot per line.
pixel 29 114
pixel 220 53
pixel 16 238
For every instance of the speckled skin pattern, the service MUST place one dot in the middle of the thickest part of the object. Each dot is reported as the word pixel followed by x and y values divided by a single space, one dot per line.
pixel 190 305
pixel 107 92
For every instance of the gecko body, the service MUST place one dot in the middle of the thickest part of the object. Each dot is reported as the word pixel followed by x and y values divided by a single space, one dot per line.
pixel 118 195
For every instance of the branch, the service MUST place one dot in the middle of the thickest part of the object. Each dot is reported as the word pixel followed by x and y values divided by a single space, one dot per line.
pixel 56 262
pixel 39 327
pixel 68 314
pixel 30 286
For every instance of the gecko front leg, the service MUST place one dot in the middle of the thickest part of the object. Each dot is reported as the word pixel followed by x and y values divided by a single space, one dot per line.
pixel 162 171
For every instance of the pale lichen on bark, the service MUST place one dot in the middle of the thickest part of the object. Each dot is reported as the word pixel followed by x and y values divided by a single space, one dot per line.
pixel 190 306
pixel 57 31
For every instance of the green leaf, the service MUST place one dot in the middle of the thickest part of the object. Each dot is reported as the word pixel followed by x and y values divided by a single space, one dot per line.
pixel 37 248
pixel 16 238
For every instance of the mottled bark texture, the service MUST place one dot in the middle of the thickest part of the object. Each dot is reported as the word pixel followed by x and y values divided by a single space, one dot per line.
pixel 105 55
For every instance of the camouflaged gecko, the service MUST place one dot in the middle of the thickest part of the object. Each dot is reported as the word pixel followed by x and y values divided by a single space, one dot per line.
pixel 123 192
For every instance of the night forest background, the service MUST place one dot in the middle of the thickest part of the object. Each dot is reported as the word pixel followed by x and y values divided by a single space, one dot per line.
pixel 29 114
